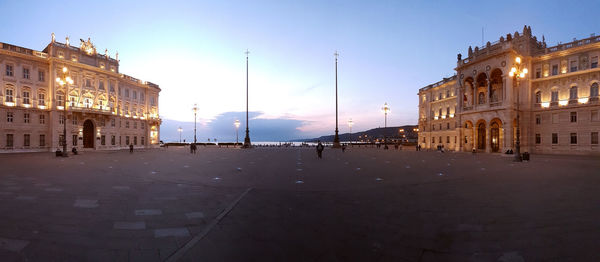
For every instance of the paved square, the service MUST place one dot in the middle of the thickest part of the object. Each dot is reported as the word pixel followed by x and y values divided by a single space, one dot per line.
pixel 284 204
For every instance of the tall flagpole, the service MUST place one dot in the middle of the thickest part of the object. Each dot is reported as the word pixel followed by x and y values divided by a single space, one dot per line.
pixel 247 143
pixel 336 138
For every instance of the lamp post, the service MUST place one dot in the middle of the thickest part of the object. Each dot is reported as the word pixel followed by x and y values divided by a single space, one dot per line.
pixel 64 81
pixel 247 143
pixel 385 110
pixel 179 130
pixel 336 138
pixel 350 124
pixel 195 109
pixel 517 72
pixel 237 125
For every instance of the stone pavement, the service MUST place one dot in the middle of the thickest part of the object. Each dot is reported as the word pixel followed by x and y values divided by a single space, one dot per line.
pixel 284 204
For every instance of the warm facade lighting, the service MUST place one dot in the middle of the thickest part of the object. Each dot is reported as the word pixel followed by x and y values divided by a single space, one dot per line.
pixel 583 100
pixel 435 117
pixel 10 103
pixel 563 102
pixel 545 104
pixel 451 115
pixel 444 117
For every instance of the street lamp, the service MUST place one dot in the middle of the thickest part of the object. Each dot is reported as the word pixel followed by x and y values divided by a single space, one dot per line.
pixel 237 125
pixel 517 72
pixel 336 138
pixel 63 81
pixel 350 124
pixel 385 109
pixel 179 130
pixel 247 143
pixel 195 109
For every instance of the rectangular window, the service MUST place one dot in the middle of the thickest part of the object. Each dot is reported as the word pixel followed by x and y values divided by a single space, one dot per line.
pixel 555 118
pixel 112 122
pixel 538 139
pixel 554 70
pixel 26 73
pixel 9 95
pixel 538 119
pixel 103 140
pixel 126 124
pixel 143 125
pixel 135 140
pixel 554 138
pixel 75 140
pixel 554 97
pixel 111 85
pixel 594 63
pixel 134 94
pixel 61 140
pixel 538 73
pixel 61 119
pixel 433 140
pixel 594 138
pixel 573 93
pixel 26 139
pixel 9 117
pixel 26 100
pixel 127 93
pixel 573 66
pixel 448 139
pixel 42 119
pixel 42 140
pixel 152 101
pixel 144 141
pixel 41 99
pixel 9 140
pixel 88 83
pixel 142 97
pixel 60 99
pixel 74 120
pixel 573 138
pixel 101 85
pixel 9 70
pixel 112 140
pixel 127 140
pixel 41 76
pixel 573 117
pixel 26 118
pixel 135 124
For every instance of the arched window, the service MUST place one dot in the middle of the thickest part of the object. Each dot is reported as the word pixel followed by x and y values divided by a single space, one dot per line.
pixel 573 93
pixel 481 98
pixel 41 98
pixel 538 97
pixel 594 90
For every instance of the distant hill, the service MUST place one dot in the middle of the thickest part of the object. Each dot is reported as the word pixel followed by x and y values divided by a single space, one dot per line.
pixel 390 132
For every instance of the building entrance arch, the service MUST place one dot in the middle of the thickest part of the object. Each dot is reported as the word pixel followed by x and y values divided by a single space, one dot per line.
pixel 481 136
pixel 495 136
pixel 88 134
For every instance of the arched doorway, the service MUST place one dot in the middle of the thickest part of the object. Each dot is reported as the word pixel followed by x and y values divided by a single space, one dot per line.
pixel 88 134
pixel 495 134
pixel 481 136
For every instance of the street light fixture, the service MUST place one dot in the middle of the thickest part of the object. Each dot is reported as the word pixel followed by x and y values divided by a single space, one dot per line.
pixel 385 109
pixel 517 73
pixel 336 138
pixel 237 125
pixel 247 143
pixel 64 81
pixel 195 109
pixel 179 130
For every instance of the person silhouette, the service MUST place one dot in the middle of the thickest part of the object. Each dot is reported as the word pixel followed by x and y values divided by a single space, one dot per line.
pixel 320 148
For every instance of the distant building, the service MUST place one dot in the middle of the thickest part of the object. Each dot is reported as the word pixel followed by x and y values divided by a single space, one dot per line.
pixel 105 109
pixel 558 99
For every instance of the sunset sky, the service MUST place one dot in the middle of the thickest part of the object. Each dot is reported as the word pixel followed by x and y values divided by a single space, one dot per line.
pixel 195 51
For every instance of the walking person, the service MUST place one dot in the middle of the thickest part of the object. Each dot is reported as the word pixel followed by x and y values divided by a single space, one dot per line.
pixel 131 148
pixel 320 148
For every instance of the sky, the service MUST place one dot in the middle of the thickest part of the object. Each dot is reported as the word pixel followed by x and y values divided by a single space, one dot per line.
pixel 195 51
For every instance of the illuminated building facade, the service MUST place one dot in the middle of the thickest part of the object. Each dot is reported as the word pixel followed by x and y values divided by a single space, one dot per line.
pixel 557 101
pixel 104 108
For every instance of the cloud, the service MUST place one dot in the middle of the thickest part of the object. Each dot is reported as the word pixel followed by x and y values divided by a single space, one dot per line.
pixel 222 127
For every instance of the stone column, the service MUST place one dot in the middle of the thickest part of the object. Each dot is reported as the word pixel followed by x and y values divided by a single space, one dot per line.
pixel 488 138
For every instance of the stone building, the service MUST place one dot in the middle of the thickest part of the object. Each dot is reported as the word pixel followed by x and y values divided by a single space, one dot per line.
pixel 557 101
pixel 104 108
pixel 437 115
